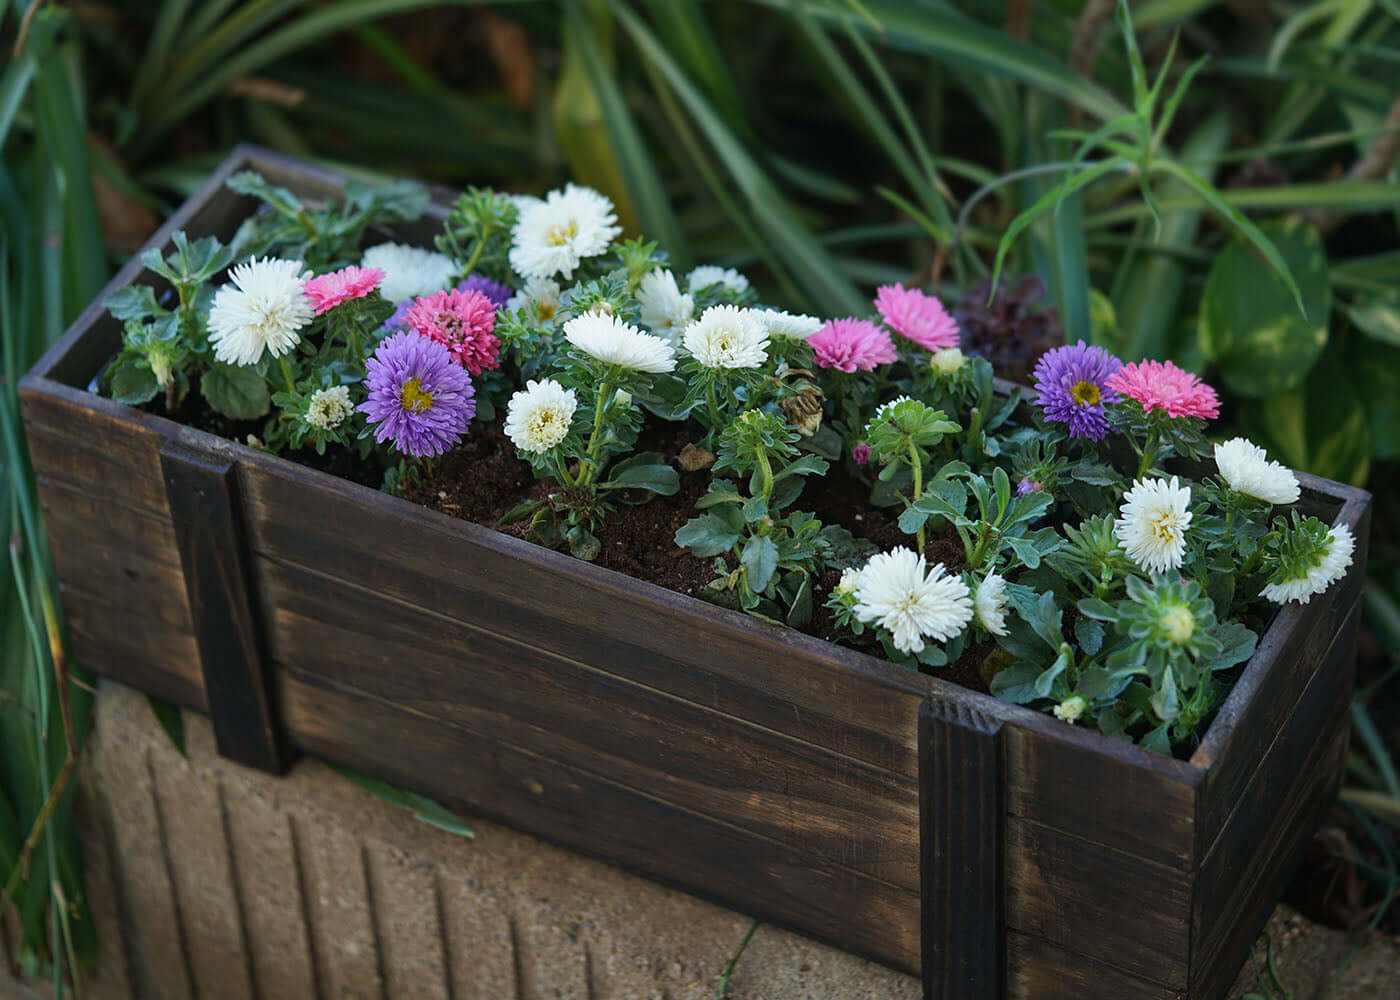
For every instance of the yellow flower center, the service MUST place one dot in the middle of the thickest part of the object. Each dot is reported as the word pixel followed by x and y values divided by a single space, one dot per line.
pixel 415 398
pixel 546 311
pixel 548 426
pixel 1085 393
pixel 559 235
pixel 1178 624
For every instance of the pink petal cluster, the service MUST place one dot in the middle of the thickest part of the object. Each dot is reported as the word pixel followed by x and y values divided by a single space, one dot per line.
pixel 1161 385
pixel 326 291
pixel 917 317
pixel 463 322
pixel 850 344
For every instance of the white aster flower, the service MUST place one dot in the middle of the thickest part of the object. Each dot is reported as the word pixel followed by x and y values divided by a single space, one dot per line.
pixel 1247 469
pixel 409 271
pixel 538 416
pixel 707 275
pixel 262 307
pixel 786 325
pixel 895 592
pixel 553 235
pixel 990 604
pixel 329 408
pixel 727 337
pixel 846 586
pixel 1330 568
pixel 543 293
pixel 613 342
pixel 1071 709
pixel 1152 523
pixel 666 310
pixel 947 361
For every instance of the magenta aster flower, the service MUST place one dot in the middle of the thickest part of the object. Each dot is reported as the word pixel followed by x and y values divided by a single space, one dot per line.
pixel 418 397
pixel 917 317
pixel 1074 388
pixel 463 322
pixel 848 344
pixel 326 291
pixel 498 293
pixel 1161 385
pixel 861 453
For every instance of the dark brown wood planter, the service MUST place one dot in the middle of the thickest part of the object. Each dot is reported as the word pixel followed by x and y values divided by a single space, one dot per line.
pixel 811 785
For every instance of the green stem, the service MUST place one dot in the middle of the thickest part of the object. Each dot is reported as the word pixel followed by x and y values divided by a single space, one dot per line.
pixel 287 374
pixel 713 403
pixel 476 253
pixel 766 490
pixel 561 471
pixel 1149 450
pixel 918 468
pixel 589 471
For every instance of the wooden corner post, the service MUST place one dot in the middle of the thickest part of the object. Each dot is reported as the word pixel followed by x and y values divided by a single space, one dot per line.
pixel 962 823
pixel 206 508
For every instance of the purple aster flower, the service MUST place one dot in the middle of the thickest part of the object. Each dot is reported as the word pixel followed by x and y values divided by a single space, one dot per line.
pixel 1027 485
pixel 498 293
pixel 398 320
pixel 419 397
pixel 1073 385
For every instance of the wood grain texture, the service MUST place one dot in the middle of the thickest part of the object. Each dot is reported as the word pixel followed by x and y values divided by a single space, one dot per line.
pixel 605 819
pixel 846 812
pixel 143 653
pixel 207 513
pixel 1039 970
pixel 962 811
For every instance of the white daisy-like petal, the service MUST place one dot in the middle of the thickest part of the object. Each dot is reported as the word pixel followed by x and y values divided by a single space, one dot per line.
pixel 727 337
pixel 847 583
pixel 666 310
pixel 895 592
pixel 613 342
pixel 1333 565
pixel 329 408
pixel 554 235
pixel 262 308
pixel 1152 523
pixel 990 604
pixel 707 275
pixel 409 271
pixel 1246 468
pixel 542 293
pixel 786 325
pixel 538 416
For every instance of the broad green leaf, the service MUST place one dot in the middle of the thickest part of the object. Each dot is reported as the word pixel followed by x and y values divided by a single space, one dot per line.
pixel 760 558
pixel 240 393
pixel 646 471
pixel 1377 372
pixel 706 536
pixel 1378 316
pixel 1249 325
pixel 132 382
pixel 133 302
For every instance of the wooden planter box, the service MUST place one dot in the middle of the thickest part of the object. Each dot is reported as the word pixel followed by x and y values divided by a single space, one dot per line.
pixel 811 785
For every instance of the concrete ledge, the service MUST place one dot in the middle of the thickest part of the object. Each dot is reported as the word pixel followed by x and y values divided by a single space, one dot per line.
pixel 210 880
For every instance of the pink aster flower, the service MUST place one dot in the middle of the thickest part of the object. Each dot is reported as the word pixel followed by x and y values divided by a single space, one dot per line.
pixel 326 291
pixel 1161 385
pixel 861 453
pixel 463 322
pixel 917 317
pixel 850 344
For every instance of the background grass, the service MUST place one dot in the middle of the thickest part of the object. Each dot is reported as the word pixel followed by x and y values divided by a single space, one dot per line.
pixel 823 146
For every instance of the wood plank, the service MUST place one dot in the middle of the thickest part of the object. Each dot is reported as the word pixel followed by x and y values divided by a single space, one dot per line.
pixel 962 814
pixel 143 653
pixel 1060 776
pixel 842 810
pixel 548 798
pixel 1039 970
pixel 1292 778
pixel 1099 902
pixel 207 512
pixel 849 703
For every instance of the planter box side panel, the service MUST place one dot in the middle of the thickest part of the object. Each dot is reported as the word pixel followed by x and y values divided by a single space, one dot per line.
pixel 112 541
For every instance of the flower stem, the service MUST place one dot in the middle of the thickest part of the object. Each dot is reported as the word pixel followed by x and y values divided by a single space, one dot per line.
pixel 1149 451
pixel 476 253
pixel 917 466
pixel 766 490
pixel 586 473
pixel 287 374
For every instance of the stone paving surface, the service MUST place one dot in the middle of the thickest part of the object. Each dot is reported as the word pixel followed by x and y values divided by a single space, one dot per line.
pixel 210 881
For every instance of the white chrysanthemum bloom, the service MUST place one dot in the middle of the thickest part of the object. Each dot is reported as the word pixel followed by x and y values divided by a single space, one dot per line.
pixel 613 342
pixel 707 275
pixel 990 604
pixel 1072 709
pixel 727 337
pixel 329 408
pixel 538 416
pixel 947 361
pixel 261 308
pixel 553 235
pixel 1152 523
pixel 1247 469
pixel 542 293
pixel 846 586
pixel 409 271
pixel 895 592
pixel 1328 570
pixel 666 310
pixel 786 325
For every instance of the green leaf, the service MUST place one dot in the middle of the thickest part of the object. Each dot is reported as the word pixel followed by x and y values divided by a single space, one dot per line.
pixel 1378 316
pixel 706 536
pixel 1016 683
pixel 132 382
pixel 237 392
pixel 250 182
pixel 1089 634
pixel 424 809
pixel 170 720
pixel 760 558
pixel 1237 644
pixel 1248 324
pixel 645 471
pixel 133 302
